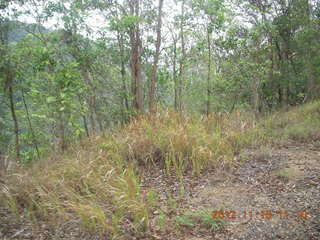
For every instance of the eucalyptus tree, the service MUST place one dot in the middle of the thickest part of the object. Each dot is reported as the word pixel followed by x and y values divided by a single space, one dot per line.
pixel 7 73
pixel 212 14
pixel 153 83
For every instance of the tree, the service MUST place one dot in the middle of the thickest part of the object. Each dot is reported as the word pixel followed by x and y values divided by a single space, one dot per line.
pixel 152 93
pixel 8 76
pixel 135 42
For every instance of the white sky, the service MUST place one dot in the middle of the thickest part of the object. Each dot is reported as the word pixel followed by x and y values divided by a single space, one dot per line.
pixel 94 19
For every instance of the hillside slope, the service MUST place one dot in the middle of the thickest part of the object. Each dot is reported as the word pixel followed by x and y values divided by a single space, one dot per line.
pixel 176 177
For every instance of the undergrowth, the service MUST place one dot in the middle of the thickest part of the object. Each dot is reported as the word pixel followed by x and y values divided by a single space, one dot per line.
pixel 98 185
pixel 301 124
pixel 202 217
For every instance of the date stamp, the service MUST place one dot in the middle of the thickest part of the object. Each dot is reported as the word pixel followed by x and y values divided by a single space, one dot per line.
pixel 265 214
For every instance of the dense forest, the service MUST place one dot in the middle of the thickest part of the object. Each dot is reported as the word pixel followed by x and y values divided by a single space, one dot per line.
pixel 177 85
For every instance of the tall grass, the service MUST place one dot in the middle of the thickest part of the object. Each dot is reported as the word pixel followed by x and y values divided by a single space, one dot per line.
pixel 97 183
pixel 180 143
pixel 87 187
pixel 301 124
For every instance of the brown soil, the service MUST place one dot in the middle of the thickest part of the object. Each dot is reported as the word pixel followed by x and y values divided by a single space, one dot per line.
pixel 274 195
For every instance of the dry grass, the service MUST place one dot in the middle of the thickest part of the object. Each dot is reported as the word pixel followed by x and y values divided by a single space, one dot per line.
pixel 182 143
pixel 300 124
pixel 99 184
pixel 87 186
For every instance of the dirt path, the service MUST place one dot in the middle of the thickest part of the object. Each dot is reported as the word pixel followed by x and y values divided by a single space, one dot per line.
pixel 274 195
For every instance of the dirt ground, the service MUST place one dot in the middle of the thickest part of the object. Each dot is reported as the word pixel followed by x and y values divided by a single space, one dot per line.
pixel 274 194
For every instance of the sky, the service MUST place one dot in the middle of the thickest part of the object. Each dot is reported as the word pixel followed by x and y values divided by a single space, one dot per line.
pixel 95 19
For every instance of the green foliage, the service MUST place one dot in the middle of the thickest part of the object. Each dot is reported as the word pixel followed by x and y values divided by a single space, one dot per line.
pixel 202 218
pixel 185 220
pixel 125 23
pixel 76 79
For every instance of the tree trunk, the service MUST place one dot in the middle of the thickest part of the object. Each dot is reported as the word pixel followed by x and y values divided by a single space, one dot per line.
pixel 282 90
pixel 286 77
pixel 182 62
pixel 175 79
pixel 15 121
pixel 8 83
pixel 255 95
pixel 34 139
pixel 85 121
pixel 310 53
pixel 125 101
pixel 256 83
pixel 209 71
pixel 85 124
pixel 61 132
pixel 91 98
pixel 271 72
pixel 152 93
pixel 135 42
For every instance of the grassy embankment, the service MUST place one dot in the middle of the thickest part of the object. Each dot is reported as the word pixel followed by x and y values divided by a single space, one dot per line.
pixel 98 183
